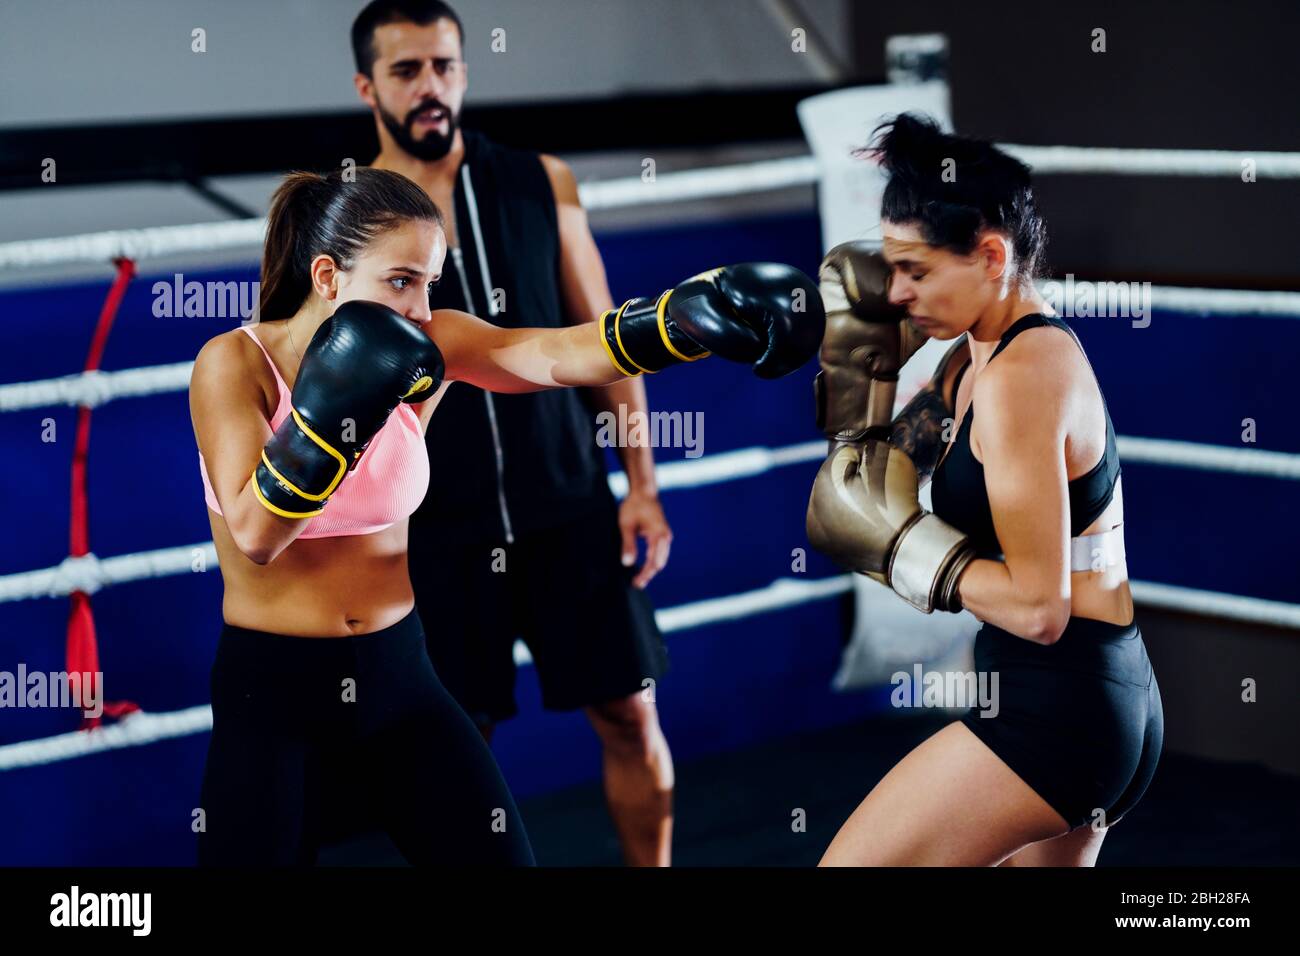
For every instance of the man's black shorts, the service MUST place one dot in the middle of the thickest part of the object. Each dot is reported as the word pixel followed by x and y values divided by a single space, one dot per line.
pixel 563 590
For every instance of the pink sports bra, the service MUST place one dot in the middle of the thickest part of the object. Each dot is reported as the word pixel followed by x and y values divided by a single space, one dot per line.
pixel 387 485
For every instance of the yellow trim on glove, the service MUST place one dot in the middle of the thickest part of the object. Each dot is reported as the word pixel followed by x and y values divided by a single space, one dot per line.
pixel 257 493
pixel 422 385
pixel 604 341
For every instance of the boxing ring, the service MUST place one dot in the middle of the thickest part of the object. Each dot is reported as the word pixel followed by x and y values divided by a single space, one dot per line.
pixel 756 621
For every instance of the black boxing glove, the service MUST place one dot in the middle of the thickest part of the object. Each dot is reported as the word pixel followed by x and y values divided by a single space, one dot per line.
pixel 761 313
pixel 360 364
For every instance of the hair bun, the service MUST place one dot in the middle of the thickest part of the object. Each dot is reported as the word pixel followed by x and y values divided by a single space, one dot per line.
pixel 953 186
pixel 908 141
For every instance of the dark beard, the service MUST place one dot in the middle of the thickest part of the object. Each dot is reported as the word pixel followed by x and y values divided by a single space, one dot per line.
pixel 433 147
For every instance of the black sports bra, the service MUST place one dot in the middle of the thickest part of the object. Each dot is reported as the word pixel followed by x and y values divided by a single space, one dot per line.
pixel 957 488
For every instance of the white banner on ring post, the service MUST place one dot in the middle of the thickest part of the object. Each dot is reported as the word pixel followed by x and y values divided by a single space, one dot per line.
pixel 889 635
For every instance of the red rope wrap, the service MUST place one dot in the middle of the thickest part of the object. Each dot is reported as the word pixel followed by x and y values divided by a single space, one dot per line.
pixel 82 649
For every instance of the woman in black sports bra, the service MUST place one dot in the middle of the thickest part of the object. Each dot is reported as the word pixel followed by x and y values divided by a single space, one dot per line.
pixel 1033 482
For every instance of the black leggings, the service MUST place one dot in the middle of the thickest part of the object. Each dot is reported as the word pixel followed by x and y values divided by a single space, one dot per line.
pixel 305 728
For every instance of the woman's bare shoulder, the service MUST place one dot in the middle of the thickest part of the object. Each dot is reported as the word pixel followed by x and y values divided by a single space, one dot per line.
pixel 232 363
pixel 1031 379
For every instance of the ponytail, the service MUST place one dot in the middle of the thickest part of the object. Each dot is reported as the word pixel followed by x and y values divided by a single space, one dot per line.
pixel 285 282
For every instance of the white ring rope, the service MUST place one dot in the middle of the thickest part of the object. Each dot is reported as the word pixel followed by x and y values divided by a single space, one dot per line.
pixel 138 244
pixel 133 730
pixel 158 241
pixel 1173 298
pixel 718 181
pixel 89 574
pixel 1233 607
pixel 96 388
pixel 780 594
pixel 144 728
pixel 1063 160
pixel 725 466
pixel 1184 454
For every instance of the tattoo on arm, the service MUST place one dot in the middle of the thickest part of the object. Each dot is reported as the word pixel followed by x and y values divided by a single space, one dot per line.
pixel 919 430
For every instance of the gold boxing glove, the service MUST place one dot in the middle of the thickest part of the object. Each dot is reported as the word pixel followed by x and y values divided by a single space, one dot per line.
pixel 864 514
pixel 867 341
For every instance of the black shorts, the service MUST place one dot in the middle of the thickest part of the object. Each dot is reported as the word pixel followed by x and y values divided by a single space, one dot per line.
pixel 1080 720
pixel 563 590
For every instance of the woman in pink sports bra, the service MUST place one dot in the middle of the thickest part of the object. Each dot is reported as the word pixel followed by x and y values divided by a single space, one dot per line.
pixel 310 434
